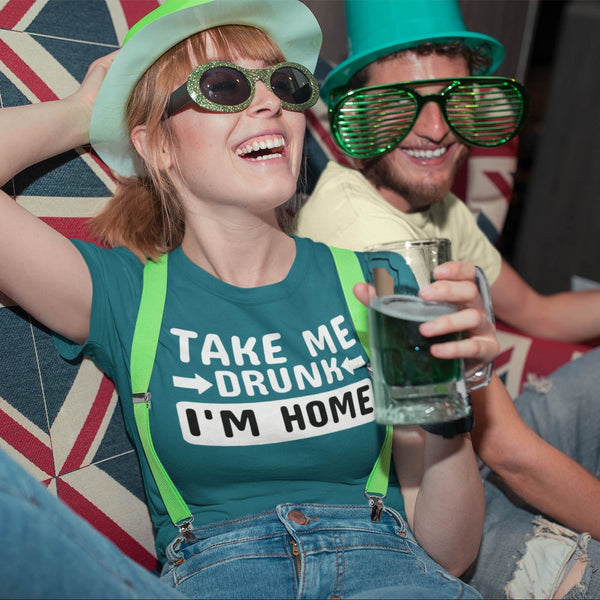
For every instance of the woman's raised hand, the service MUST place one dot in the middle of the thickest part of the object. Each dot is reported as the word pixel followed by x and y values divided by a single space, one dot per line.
pixel 86 94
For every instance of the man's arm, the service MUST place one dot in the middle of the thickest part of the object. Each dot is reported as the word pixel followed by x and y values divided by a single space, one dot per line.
pixel 540 474
pixel 565 316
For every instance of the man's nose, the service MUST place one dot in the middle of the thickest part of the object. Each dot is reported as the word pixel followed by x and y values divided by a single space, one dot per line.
pixel 431 122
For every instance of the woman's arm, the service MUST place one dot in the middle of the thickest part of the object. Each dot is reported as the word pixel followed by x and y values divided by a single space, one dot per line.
pixel 443 494
pixel 39 268
pixel 439 477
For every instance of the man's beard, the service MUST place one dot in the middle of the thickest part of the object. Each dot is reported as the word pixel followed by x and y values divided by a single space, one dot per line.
pixel 420 195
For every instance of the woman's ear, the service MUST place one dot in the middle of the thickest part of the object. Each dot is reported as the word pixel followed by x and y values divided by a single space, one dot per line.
pixel 142 142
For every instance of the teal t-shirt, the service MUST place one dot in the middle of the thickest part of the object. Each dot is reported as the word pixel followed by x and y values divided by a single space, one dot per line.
pixel 259 395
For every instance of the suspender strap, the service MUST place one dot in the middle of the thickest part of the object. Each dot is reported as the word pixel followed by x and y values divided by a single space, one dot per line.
pixel 143 354
pixel 147 327
pixel 350 272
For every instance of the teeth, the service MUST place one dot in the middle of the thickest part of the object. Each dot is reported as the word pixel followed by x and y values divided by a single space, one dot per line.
pixel 267 156
pixel 277 142
pixel 426 153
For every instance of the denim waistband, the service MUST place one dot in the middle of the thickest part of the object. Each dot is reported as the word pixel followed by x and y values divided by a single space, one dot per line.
pixel 298 518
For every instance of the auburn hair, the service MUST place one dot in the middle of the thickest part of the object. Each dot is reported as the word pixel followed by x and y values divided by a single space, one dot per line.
pixel 145 213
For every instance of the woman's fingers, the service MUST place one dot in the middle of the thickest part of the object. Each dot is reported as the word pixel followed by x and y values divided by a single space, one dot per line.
pixel 468 319
pixel 364 292
pixel 455 270
pixel 463 292
pixel 456 284
pixel 90 86
pixel 477 351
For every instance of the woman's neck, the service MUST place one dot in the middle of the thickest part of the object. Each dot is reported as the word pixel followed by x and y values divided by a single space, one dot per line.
pixel 252 254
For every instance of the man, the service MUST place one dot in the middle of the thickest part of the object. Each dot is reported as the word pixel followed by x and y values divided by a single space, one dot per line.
pixel 400 189
pixel 414 178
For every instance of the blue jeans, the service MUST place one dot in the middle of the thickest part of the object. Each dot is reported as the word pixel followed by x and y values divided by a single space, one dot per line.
pixel 568 417
pixel 309 551
pixel 50 552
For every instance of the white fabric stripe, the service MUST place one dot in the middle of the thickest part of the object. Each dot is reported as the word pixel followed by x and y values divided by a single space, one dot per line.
pixel 69 422
pixel 54 75
pixel 519 346
pixel 118 18
pixel 62 206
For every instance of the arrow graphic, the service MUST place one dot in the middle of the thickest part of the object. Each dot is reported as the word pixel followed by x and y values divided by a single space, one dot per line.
pixel 192 383
pixel 351 364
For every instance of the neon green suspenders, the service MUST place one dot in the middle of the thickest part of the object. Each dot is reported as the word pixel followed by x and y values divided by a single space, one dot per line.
pixel 143 353
pixel 349 273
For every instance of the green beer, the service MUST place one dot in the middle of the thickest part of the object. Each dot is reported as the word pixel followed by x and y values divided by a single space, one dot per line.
pixel 410 385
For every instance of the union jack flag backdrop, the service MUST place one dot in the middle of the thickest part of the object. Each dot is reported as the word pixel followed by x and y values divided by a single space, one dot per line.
pixel 60 419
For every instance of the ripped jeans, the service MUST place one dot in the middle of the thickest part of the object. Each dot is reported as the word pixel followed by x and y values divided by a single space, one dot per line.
pixel 522 554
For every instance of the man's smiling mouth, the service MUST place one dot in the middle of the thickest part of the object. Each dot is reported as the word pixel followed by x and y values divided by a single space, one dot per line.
pixel 425 153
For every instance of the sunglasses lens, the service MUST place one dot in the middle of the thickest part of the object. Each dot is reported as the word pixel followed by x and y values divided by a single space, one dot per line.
pixel 485 114
pixel 225 86
pixel 371 121
pixel 291 86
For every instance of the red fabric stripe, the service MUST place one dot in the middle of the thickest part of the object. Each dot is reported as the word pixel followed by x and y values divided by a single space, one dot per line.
pixel 503 358
pixel 70 227
pixel 27 444
pixel 25 73
pixel 89 430
pixel 326 138
pixel 13 12
pixel 459 187
pixel 105 525
pixel 134 10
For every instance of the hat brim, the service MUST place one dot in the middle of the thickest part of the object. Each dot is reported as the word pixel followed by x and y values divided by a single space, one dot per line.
pixel 300 42
pixel 340 76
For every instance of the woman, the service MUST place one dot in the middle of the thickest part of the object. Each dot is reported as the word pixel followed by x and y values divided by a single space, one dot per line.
pixel 260 417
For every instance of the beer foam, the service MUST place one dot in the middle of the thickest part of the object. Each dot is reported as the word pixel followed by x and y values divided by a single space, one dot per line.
pixel 411 308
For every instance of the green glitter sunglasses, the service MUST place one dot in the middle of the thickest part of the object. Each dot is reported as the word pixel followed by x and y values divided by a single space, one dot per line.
pixel 480 111
pixel 221 86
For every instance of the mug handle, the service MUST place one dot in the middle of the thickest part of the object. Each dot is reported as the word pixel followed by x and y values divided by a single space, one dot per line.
pixel 481 378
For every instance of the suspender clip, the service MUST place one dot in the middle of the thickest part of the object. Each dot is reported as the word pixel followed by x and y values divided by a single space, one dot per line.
pixel 185 530
pixel 376 504
pixel 141 398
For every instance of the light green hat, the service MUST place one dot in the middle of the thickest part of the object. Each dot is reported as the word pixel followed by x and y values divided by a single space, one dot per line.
pixel 377 28
pixel 289 23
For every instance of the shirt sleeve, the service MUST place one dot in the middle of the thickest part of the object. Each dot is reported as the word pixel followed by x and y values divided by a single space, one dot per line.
pixel 116 278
